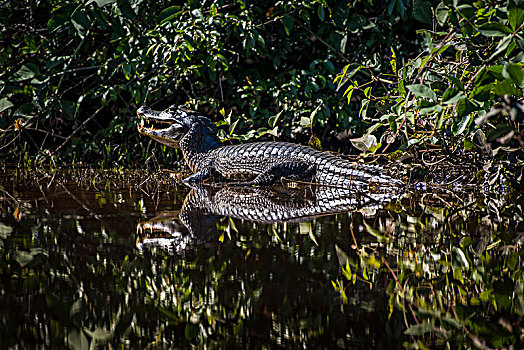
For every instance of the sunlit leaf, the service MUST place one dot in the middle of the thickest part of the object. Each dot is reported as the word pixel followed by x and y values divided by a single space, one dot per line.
pixel 513 72
pixel 515 13
pixel 494 29
pixel 365 142
pixel 422 91
pixel 28 71
pixel 101 3
pixel 501 46
pixel 461 123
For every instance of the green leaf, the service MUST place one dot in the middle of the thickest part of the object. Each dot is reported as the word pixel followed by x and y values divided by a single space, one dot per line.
pixel 441 13
pixel 494 29
pixel 468 145
pixel 502 45
pixel 392 120
pixel 422 91
pixel 430 108
pixel 513 72
pixel 101 3
pixel 422 11
pixel 483 92
pixel 480 140
pixel 501 130
pixel 167 14
pixel 191 331
pixel 272 122
pixel 466 11
pixel 367 91
pixel 465 107
pixel 5 104
pixel 461 257
pixel 288 22
pixel 356 22
pixel 23 258
pixel 57 20
pixel 77 339
pixel 28 71
pixel 126 9
pixel 515 13
pixel 419 329
pixel 454 99
pixel 320 13
pixel 453 322
pixel 455 81
pixel 460 124
pixel 80 21
pixel 506 88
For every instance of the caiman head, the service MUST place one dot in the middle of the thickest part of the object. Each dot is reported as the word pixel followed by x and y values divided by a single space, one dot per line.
pixel 171 125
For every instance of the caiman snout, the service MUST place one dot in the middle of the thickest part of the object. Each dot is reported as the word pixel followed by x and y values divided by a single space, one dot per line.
pixel 159 125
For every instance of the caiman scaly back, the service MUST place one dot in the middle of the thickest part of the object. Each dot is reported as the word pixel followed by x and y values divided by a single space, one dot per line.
pixel 257 163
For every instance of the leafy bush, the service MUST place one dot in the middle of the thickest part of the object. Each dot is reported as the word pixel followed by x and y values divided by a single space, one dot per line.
pixel 459 93
pixel 413 72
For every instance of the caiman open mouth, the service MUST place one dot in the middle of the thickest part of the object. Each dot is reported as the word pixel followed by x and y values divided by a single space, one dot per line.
pixel 160 127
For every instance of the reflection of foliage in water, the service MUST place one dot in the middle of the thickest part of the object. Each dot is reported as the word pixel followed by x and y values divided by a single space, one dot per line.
pixel 68 277
pixel 456 270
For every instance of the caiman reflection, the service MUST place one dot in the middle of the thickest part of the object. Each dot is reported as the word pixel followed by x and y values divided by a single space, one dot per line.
pixel 196 223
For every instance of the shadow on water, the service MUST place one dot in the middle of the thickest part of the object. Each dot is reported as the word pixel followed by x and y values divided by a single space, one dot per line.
pixel 110 258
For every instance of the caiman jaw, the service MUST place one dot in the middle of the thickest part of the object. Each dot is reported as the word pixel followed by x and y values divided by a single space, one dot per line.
pixel 149 122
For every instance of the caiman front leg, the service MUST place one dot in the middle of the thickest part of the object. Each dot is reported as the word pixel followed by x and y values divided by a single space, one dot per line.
pixel 198 177
pixel 292 170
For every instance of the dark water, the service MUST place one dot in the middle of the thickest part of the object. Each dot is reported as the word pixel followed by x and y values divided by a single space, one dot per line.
pixel 116 259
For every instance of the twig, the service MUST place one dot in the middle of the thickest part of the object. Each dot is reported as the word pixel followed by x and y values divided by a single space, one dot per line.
pixel 79 128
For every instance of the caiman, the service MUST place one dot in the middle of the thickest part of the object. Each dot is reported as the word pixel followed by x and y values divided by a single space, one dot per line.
pixel 196 221
pixel 257 163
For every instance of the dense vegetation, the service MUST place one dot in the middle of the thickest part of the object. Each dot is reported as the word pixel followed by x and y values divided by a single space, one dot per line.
pixel 434 87
pixel 412 76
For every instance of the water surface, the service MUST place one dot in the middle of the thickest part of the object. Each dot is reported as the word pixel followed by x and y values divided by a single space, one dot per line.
pixel 99 258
